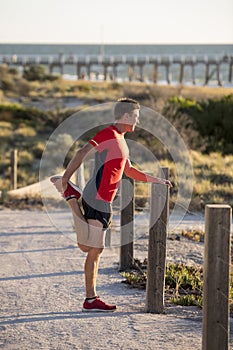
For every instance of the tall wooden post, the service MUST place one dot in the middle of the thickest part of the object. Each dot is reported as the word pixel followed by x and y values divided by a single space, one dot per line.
pixel 207 74
pixel 14 165
pixel 115 72
pixel 88 71
pixel 131 72
pixel 230 71
pixel 157 246
pixel 168 75
pixel 80 177
pixel 216 277
pixel 193 74
pixel 155 73
pixel 105 71
pixel 218 74
pixel 141 77
pixel 181 73
pixel 127 223
pixel 78 71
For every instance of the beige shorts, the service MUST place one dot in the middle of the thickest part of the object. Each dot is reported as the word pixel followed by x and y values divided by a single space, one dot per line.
pixel 90 234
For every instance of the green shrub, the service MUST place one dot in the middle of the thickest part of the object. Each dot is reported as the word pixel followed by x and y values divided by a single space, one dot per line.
pixel 182 283
pixel 34 72
pixel 38 149
pixel 13 71
pixel 25 158
pixel 17 114
pixel 25 131
pixel 212 120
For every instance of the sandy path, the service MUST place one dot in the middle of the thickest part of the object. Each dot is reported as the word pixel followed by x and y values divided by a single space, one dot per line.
pixel 42 291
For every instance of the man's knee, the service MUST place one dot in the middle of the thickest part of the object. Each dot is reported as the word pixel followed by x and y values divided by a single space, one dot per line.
pixel 91 250
pixel 84 248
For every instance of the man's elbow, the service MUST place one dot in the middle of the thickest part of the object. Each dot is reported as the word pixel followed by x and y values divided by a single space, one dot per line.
pixel 128 172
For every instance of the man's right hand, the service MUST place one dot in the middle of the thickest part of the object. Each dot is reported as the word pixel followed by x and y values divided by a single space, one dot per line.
pixel 64 184
pixel 61 185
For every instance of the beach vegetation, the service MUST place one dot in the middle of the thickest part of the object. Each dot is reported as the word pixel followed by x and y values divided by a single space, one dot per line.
pixel 202 116
pixel 183 283
pixel 36 72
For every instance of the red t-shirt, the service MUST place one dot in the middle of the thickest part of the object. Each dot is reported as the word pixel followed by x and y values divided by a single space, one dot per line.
pixel 112 154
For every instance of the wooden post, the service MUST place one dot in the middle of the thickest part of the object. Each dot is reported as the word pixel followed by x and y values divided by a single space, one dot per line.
pixel 115 72
pixel 78 71
pixel 105 71
pixel 216 277
pixel 230 71
pixel 181 73
pixel 193 74
pixel 157 246
pixel 168 75
pixel 131 72
pixel 14 165
pixel 155 73
pixel 88 71
pixel 80 177
pixel 218 74
pixel 127 223
pixel 141 77
pixel 108 238
pixel 91 168
pixel 206 74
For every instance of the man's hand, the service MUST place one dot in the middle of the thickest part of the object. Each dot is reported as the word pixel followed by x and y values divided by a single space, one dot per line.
pixel 61 185
pixel 64 184
pixel 168 183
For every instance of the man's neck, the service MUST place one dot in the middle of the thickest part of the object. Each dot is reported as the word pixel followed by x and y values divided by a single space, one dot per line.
pixel 120 127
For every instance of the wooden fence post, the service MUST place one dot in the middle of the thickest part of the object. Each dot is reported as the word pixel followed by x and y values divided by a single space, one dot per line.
pixel 14 165
pixel 215 329
pixel 80 177
pixel 91 167
pixel 157 246
pixel 127 223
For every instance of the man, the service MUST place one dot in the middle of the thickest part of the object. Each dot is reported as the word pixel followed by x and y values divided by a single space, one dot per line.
pixel 111 161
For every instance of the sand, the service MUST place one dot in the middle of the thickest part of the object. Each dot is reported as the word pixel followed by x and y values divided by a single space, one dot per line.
pixel 42 291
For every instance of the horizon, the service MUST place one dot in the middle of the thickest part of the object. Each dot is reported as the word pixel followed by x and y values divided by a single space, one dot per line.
pixel 115 44
pixel 76 22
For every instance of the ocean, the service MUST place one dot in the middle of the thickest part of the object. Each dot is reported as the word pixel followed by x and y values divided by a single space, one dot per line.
pixel 67 50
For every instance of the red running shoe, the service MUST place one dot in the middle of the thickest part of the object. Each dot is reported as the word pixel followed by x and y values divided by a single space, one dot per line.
pixel 98 305
pixel 72 191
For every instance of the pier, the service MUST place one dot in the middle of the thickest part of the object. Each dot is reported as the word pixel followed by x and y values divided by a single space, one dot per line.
pixel 135 65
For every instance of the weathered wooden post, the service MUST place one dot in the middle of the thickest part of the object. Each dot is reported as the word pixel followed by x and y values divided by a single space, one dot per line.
pixel 105 71
pixel 230 71
pixel 78 69
pixel 155 73
pixel 115 71
pixel 168 75
pixel 218 74
pixel 14 165
pixel 127 223
pixel 131 72
pixel 157 246
pixel 193 74
pixel 181 73
pixel 207 73
pixel 91 167
pixel 141 77
pixel 80 177
pixel 216 277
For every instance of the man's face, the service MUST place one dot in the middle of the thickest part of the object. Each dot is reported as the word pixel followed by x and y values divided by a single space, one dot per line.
pixel 132 119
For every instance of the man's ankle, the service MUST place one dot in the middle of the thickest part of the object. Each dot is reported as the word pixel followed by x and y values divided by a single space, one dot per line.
pixel 91 299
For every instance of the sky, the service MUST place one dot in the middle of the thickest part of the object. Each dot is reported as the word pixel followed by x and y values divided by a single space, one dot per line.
pixel 116 22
